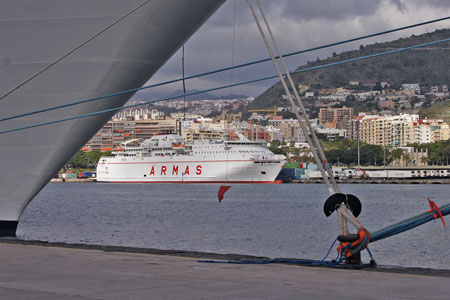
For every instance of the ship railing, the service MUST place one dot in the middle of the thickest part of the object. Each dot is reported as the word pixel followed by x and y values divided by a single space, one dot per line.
pixel 280 157
pixel 268 159
pixel 244 143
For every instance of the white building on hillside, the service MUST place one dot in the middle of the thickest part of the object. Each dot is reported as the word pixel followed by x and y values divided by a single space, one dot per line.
pixel 413 87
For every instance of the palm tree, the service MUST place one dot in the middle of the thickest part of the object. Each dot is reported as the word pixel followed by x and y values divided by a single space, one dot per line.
pixel 396 154
pixel 406 158
pixel 424 160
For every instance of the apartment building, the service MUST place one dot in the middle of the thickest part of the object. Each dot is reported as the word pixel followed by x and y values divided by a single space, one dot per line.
pixel 397 131
pixel 190 135
pixel 430 131
pixel 117 131
pixel 335 117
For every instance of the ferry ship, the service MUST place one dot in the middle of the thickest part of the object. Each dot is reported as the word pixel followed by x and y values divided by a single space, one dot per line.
pixel 59 52
pixel 168 159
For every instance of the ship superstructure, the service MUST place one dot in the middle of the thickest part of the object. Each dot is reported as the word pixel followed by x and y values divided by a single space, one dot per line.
pixel 167 159
pixel 33 35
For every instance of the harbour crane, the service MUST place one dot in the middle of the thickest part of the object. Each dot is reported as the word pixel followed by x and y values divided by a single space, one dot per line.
pixel 274 110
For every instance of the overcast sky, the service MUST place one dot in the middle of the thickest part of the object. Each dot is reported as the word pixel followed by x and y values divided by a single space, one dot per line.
pixel 297 24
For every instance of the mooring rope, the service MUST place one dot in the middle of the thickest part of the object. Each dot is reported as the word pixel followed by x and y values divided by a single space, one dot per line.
pixel 233 46
pixel 391 230
pixel 211 89
pixel 228 68
pixel 300 104
pixel 302 121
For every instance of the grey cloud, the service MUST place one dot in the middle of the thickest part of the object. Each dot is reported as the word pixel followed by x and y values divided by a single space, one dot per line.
pixel 340 9
pixel 297 24
pixel 410 3
pixel 327 9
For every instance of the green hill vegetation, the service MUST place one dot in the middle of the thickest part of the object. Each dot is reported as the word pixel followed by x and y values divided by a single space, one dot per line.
pixel 438 152
pixel 437 111
pixel 345 152
pixel 427 66
pixel 86 159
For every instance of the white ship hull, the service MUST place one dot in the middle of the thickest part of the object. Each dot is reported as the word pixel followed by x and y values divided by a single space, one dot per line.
pixel 187 170
pixel 35 33
pixel 167 159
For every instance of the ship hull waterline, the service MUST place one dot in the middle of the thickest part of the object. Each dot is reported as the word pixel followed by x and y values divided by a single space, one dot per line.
pixel 183 172
pixel 32 35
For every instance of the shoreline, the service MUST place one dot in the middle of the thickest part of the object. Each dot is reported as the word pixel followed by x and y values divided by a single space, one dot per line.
pixel 312 181
pixel 417 180
pixel 222 256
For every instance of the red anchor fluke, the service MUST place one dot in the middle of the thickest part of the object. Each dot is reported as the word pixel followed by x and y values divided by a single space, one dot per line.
pixel 436 210
pixel 222 191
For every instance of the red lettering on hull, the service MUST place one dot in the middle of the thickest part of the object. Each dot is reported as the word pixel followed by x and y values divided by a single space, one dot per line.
pixel 175 170
pixel 199 170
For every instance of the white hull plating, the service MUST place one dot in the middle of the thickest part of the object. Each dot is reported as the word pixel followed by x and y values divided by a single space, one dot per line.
pixel 166 159
pixel 35 33
pixel 175 170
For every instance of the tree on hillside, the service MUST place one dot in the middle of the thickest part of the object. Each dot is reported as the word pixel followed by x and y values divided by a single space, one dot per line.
pixel 86 159
pixel 378 87
pixel 275 143
pixel 396 154
pixel 427 67
pixel 346 152
pixel 277 150
pixel 438 152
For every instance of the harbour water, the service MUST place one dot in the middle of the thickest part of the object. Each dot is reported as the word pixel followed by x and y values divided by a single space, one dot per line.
pixel 284 220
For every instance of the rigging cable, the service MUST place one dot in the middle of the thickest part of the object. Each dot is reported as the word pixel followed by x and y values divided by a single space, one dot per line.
pixel 300 104
pixel 233 48
pixel 184 86
pixel 344 213
pixel 300 119
pixel 226 86
pixel 224 69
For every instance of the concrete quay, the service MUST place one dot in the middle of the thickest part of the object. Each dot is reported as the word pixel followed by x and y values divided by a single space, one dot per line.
pixel 30 271
pixel 68 180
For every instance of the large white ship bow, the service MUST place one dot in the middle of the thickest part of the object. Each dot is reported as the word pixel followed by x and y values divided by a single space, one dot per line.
pixel 35 33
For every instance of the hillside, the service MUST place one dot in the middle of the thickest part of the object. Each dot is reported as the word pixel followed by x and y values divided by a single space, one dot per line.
pixel 202 96
pixel 426 66
pixel 437 111
pixel 206 96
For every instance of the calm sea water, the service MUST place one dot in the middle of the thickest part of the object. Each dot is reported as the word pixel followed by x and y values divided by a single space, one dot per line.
pixel 284 220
